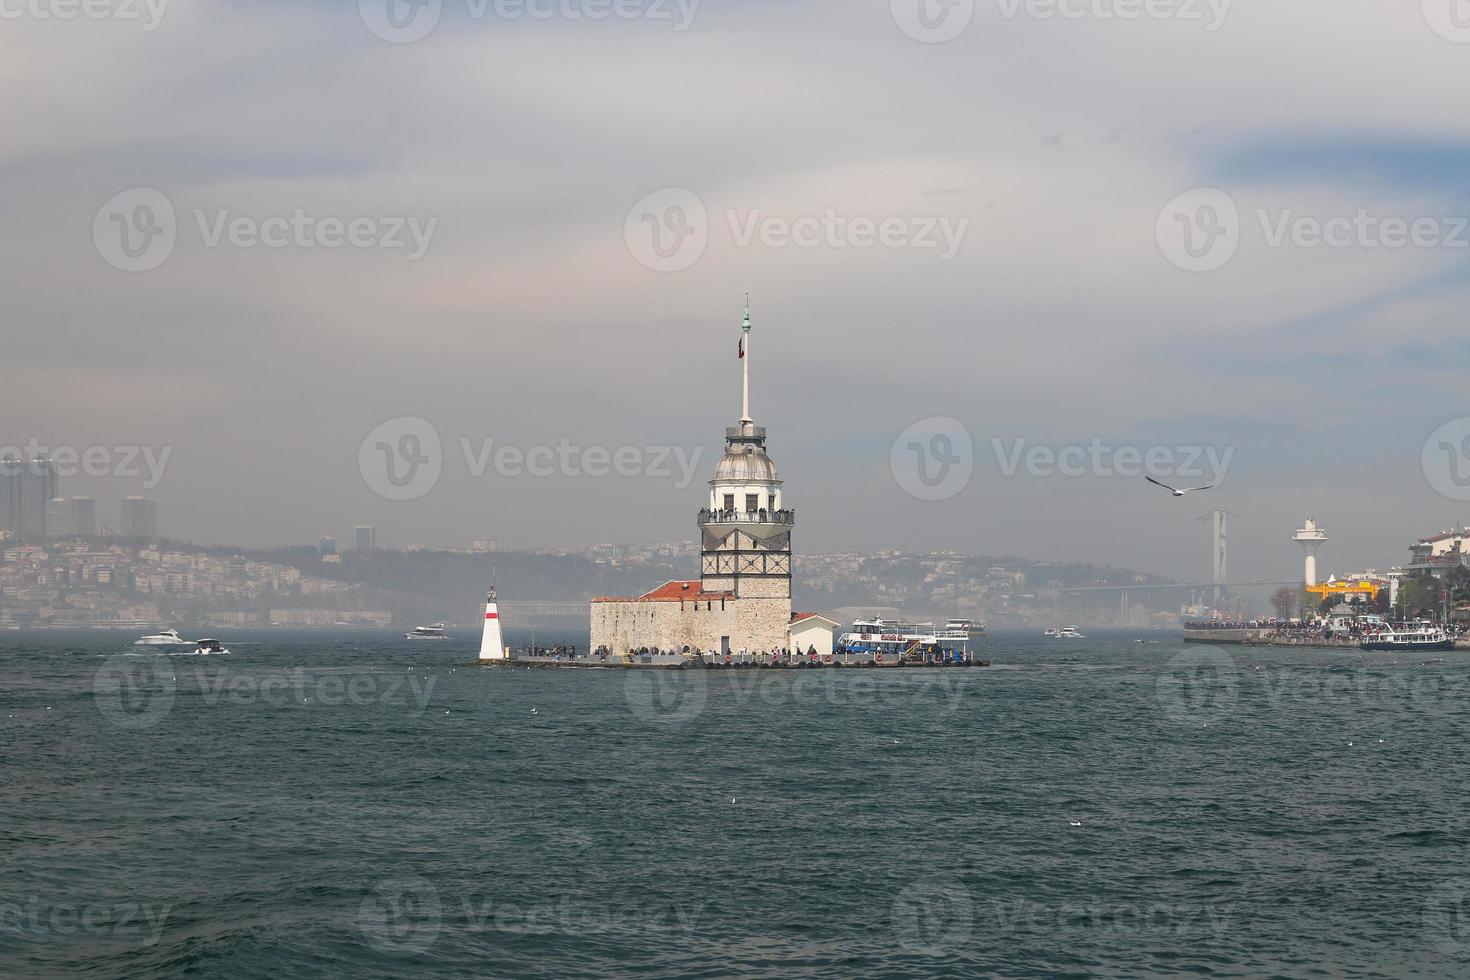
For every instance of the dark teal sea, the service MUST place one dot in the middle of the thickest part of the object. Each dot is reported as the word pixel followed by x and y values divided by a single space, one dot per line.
pixel 356 806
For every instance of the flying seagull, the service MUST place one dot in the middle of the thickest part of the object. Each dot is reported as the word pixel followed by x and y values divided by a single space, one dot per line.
pixel 1177 493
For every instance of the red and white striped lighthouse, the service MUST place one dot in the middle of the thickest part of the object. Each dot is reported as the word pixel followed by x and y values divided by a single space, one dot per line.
pixel 492 643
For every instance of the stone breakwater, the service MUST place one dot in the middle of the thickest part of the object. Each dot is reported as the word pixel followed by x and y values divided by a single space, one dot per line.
pixel 1246 636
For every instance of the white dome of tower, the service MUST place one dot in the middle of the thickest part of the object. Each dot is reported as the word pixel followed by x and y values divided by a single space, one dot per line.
pixel 747 463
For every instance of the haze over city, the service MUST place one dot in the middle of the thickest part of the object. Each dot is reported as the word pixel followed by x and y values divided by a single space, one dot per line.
pixel 1029 289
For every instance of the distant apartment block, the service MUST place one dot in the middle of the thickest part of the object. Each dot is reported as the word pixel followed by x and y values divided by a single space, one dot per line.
pixel 71 517
pixel 139 518
pixel 365 537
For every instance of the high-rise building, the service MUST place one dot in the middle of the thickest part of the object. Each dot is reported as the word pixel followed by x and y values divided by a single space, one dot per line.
pixel 326 545
pixel 57 518
pixel 11 470
pixel 74 517
pixel 84 516
pixel 139 518
pixel 38 487
pixel 365 537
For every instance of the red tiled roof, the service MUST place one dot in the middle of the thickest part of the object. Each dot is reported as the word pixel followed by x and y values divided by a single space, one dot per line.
pixel 675 591
pixel 1442 536
pixel 798 617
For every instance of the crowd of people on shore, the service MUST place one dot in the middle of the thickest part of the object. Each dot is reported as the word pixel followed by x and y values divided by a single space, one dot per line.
pixel 772 656
pixel 1342 629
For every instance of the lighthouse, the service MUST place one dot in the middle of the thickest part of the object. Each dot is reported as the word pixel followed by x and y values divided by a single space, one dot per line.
pixel 492 643
pixel 1310 537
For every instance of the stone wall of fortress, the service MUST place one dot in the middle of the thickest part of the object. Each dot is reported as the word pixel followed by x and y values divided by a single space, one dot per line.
pixel 753 624
pixel 758 586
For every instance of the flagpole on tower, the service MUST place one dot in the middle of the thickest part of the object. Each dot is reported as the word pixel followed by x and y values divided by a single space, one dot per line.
pixel 745 418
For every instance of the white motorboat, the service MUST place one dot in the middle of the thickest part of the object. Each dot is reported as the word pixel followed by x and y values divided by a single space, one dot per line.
pixel 207 647
pixel 168 638
pixel 1070 633
pixel 435 632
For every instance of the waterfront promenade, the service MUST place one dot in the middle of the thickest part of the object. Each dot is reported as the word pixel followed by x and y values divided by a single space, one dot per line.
pixel 1277 636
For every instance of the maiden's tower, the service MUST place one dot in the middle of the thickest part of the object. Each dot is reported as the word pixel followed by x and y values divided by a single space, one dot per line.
pixel 742 599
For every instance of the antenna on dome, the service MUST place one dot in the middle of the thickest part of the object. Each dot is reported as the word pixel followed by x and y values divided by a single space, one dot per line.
pixel 745 418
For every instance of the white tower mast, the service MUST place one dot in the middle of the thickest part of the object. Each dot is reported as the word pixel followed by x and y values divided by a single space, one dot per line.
pixel 1310 538
pixel 745 418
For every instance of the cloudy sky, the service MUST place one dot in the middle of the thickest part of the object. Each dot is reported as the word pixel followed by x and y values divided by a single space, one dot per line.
pixel 296 244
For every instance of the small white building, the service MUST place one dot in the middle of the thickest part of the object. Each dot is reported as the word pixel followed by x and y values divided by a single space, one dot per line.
pixel 810 630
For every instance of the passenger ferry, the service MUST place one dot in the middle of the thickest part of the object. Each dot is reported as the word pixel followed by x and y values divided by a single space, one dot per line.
pixel 1408 636
pixel 890 641
pixel 435 632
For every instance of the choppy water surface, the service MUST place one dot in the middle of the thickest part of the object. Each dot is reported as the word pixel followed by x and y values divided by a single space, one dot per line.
pixel 348 806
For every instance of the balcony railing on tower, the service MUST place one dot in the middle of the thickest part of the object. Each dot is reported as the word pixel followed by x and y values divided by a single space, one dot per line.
pixel 787 517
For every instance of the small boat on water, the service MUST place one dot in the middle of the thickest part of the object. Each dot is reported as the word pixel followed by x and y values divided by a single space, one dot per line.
pixel 972 627
pixel 1070 633
pixel 435 632
pixel 1408 636
pixel 1053 632
pixel 167 638
pixel 206 647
